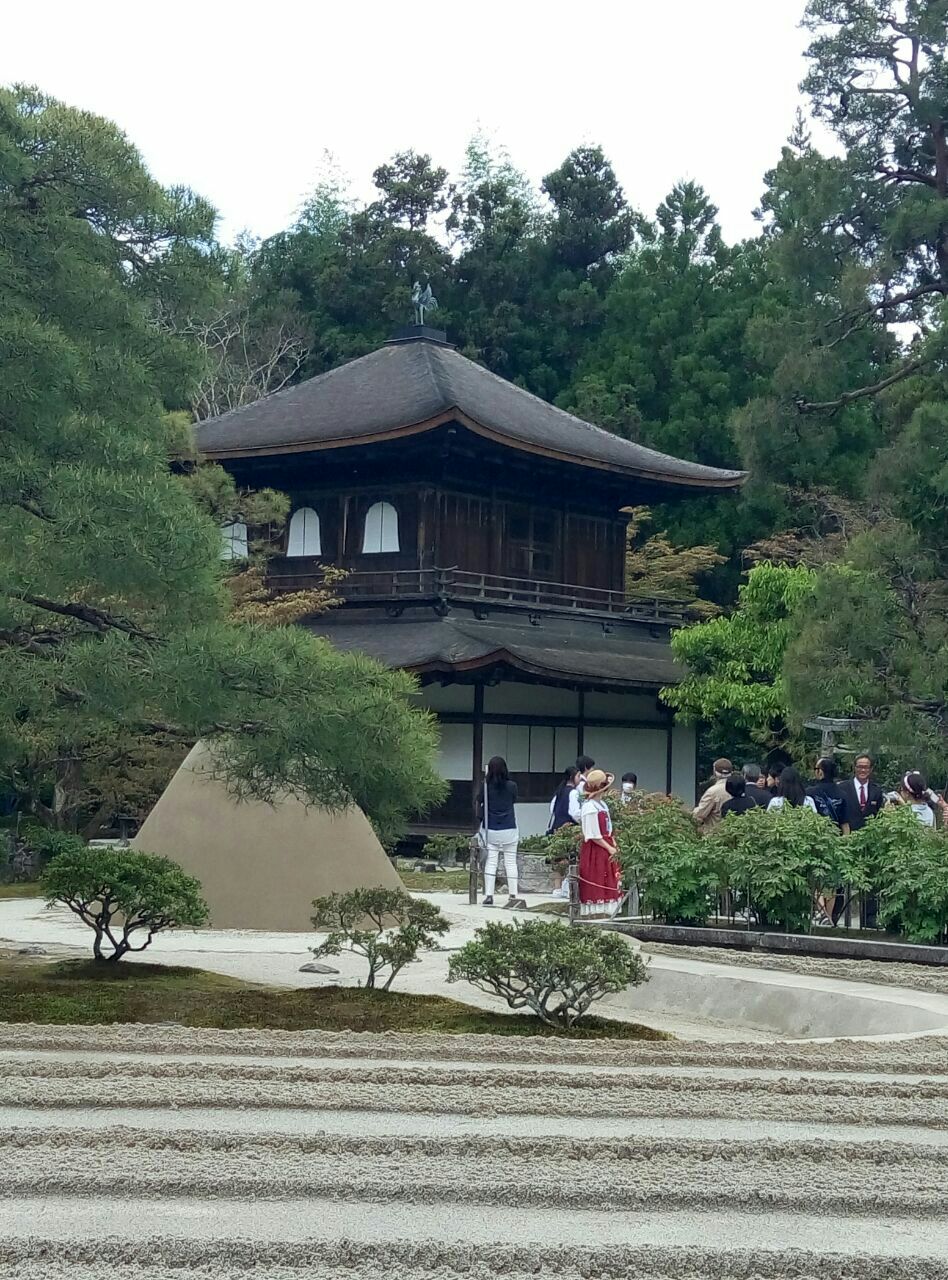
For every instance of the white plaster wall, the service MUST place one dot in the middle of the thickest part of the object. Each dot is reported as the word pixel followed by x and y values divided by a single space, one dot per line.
pixel 509 699
pixel 622 706
pixel 449 697
pixel 684 761
pixel 532 819
pixel 618 750
pixel 455 754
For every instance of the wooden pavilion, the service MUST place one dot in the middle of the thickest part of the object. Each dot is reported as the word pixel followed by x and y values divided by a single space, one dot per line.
pixel 484 540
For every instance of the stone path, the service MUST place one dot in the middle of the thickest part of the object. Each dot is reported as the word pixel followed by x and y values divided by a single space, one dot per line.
pixel 152 1152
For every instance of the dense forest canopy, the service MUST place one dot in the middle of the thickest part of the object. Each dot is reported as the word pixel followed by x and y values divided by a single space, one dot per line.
pixel 813 355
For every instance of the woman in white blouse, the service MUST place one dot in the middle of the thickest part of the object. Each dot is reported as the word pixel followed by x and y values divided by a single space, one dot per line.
pixel 791 791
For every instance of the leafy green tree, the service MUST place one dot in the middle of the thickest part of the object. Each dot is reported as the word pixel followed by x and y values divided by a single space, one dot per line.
pixel 547 967
pixel 655 567
pixel 113 605
pixel 386 926
pixel 125 897
pixel 669 366
pixel 734 664
pixel 495 224
pixel 871 642
pixel 348 271
pixel 879 78
pixel 592 222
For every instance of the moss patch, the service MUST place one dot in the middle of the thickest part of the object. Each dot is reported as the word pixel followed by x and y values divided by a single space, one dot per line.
pixel 434 881
pixel 22 889
pixel 80 992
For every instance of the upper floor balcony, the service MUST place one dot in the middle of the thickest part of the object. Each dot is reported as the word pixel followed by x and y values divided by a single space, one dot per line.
pixel 394 589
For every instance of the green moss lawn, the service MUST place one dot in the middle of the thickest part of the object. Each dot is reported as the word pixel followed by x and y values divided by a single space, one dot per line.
pixel 80 992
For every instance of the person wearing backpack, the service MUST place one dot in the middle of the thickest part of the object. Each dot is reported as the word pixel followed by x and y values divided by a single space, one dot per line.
pixel 830 801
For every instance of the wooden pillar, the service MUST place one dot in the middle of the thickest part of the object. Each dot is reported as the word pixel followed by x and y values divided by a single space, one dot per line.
pixel 477 756
pixel 581 723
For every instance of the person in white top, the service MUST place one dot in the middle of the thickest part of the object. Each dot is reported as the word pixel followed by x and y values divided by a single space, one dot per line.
pixel 791 791
pixel 583 765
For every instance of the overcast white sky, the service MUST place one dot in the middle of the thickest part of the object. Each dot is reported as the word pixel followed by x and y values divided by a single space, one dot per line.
pixel 240 100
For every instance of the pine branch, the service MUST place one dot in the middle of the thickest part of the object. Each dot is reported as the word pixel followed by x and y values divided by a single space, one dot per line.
pixel 99 619
pixel 861 393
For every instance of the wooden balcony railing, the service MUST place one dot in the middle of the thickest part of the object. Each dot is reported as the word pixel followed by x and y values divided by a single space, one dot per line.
pixel 403 586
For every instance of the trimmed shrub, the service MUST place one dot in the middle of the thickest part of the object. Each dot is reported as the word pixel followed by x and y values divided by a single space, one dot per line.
pixel 908 864
pixel 550 968
pixel 387 926
pixel 780 858
pixel 449 850
pixel 664 856
pixel 124 896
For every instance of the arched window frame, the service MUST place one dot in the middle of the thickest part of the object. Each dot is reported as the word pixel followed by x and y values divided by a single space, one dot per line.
pixel 304 536
pixel 380 530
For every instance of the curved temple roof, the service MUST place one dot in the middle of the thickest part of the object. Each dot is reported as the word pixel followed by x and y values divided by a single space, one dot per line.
pixel 416 384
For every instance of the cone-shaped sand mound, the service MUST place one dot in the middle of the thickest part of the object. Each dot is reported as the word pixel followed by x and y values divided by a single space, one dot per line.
pixel 260 865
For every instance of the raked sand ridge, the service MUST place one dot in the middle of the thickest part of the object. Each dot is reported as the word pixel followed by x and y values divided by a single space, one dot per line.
pixel 158 1152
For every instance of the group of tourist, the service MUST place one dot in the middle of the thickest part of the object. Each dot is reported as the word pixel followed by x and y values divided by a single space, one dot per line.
pixel 579 800
pixel 847 803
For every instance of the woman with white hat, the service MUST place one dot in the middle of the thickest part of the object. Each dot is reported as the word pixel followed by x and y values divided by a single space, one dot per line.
pixel 599 891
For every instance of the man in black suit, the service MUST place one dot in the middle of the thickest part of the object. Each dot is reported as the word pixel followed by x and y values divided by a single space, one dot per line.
pixel 864 796
pixel 864 799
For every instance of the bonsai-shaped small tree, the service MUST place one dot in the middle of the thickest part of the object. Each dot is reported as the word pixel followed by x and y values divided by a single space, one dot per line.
pixel 387 926
pixel 124 896
pixel 546 966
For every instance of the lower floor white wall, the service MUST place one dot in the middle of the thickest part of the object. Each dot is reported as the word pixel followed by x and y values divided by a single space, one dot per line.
pixel 621 732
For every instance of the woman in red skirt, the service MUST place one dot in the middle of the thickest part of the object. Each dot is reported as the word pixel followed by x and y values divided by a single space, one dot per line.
pixel 599 870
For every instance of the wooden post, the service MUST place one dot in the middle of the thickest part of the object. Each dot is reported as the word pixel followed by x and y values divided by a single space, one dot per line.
pixel 572 873
pixel 477 789
pixel 474 872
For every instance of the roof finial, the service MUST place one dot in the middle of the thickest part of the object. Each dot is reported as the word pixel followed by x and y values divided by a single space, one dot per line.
pixel 423 300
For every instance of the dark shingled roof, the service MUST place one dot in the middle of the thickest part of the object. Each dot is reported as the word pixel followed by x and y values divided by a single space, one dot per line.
pixel 562 648
pixel 417 384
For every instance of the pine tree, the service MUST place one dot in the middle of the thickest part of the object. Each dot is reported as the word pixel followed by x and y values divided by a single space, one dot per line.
pixel 114 611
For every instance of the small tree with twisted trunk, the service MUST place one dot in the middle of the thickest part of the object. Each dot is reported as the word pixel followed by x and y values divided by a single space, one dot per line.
pixel 548 967
pixel 387 926
pixel 124 896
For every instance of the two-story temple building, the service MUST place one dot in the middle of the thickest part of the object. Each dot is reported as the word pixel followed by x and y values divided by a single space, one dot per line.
pixel 483 535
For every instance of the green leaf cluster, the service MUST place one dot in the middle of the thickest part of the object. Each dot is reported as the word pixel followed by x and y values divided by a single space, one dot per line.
pixel 908 863
pixel 663 855
pixel 547 967
pixel 735 663
pixel 779 859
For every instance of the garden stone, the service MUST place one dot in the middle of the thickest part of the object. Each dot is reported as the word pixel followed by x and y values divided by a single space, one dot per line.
pixel 535 875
